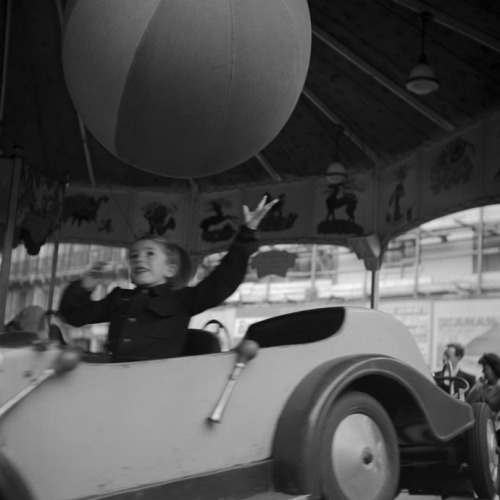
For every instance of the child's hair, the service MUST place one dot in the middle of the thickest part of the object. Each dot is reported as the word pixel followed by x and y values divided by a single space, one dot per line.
pixel 177 255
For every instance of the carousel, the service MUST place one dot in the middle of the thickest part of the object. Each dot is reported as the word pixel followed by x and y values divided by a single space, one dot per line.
pixel 362 119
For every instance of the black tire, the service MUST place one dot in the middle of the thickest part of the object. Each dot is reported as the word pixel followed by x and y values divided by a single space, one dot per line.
pixel 359 453
pixel 482 450
pixel 12 486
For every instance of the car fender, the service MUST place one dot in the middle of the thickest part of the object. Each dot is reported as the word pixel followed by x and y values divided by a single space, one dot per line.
pixel 12 485
pixel 438 417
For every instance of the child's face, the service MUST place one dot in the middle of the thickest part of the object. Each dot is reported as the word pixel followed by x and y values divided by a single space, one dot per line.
pixel 149 264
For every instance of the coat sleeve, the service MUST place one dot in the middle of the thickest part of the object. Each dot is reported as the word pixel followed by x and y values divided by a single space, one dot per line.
pixel 482 394
pixel 493 400
pixel 78 308
pixel 227 276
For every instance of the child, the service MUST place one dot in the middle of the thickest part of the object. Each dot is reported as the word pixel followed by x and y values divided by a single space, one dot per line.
pixel 151 321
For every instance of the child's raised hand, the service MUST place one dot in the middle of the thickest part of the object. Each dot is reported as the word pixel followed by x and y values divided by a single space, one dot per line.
pixel 100 272
pixel 252 219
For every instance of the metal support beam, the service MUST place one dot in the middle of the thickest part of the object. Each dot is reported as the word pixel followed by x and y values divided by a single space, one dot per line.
pixel 8 239
pixel 382 79
pixel 268 167
pixel 337 121
pixel 452 23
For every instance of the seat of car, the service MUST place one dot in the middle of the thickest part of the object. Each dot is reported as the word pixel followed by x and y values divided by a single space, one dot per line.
pixel 198 342
pixel 201 342
pixel 297 327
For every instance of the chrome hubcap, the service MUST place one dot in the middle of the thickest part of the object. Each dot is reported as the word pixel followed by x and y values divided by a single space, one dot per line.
pixel 359 457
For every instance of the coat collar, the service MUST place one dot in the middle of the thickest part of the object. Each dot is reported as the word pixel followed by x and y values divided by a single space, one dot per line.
pixel 155 291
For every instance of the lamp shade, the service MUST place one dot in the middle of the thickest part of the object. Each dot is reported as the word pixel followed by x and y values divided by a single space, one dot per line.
pixel 185 88
pixel 336 173
pixel 422 79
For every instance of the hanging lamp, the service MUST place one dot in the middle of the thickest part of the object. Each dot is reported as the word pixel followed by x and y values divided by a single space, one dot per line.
pixel 336 173
pixel 422 79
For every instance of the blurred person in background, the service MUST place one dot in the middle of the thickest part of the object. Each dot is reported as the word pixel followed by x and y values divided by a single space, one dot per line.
pixel 32 319
pixel 35 319
pixel 487 388
pixel 452 356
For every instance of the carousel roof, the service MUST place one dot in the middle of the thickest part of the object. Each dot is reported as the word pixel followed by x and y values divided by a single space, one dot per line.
pixel 362 54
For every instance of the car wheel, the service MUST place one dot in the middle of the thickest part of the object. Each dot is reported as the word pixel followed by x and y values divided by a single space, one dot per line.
pixel 12 486
pixel 359 455
pixel 482 449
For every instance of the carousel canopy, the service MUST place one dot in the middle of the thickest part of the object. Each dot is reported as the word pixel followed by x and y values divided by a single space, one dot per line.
pixel 397 122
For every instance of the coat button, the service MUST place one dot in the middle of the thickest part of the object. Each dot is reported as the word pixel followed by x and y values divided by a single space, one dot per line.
pixel 132 320
pixel 127 340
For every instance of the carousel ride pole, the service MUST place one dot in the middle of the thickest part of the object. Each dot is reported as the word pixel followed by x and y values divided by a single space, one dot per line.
pixel 15 179
pixel 369 249
pixel 375 292
pixel 8 241
pixel 53 271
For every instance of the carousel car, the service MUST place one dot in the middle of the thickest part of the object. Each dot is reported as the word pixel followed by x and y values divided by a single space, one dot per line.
pixel 333 403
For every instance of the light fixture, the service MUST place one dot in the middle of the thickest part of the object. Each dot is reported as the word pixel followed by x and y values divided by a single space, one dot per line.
pixel 422 79
pixel 336 172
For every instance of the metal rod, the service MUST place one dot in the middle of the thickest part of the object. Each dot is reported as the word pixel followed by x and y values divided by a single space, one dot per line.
pixel 268 167
pixel 8 240
pixel 246 352
pixel 454 24
pixel 418 252
pixel 374 296
pixel 53 272
pixel 21 395
pixel 337 121
pixel 382 79
pixel 66 361
pixel 480 250
pixel 216 416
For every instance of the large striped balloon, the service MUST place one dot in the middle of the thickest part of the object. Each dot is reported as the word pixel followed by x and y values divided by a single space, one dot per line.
pixel 185 88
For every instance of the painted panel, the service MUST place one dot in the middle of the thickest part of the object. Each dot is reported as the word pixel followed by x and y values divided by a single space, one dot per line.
pixel 218 216
pixel 399 187
pixel 452 174
pixel 96 217
pixel 344 209
pixel 162 214
pixel 289 218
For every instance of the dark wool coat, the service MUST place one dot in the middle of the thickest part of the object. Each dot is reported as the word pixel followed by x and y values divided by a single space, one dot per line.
pixel 152 323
